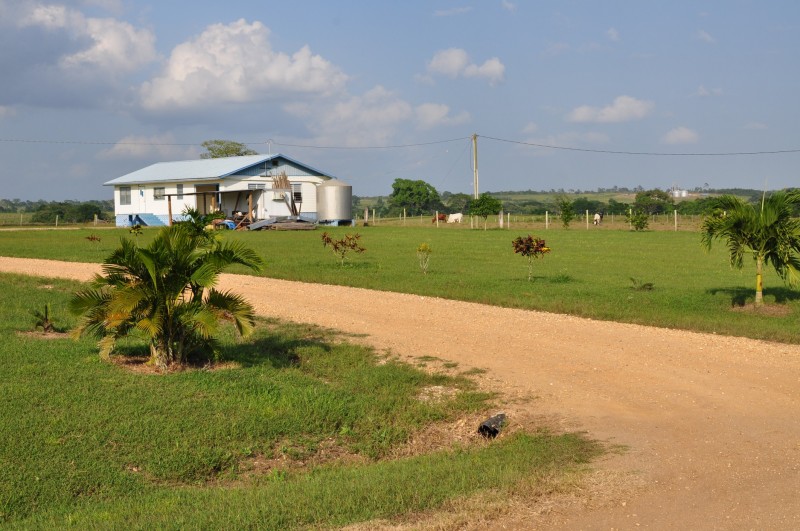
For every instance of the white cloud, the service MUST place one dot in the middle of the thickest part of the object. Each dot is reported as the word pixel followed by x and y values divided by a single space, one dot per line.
pixel 705 37
pixel 508 6
pixel 680 135
pixel 368 120
pixel 623 109
pixel 703 92
pixel 612 34
pixel 144 147
pixel 115 46
pixel 451 12
pixel 455 62
pixel 430 115
pixel 530 128
pixel 236 63
pixel 449 62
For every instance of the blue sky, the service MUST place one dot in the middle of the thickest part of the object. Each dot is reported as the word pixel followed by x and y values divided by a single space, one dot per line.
pixel 100 88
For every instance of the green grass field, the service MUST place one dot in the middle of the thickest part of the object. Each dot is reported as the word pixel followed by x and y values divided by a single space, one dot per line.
pixel 90 444
pixel 588 273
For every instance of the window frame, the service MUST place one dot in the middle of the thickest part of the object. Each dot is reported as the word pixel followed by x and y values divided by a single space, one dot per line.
pixel 125 195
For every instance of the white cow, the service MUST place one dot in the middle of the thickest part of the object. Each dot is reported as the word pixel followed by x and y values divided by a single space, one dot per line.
pixel 455 218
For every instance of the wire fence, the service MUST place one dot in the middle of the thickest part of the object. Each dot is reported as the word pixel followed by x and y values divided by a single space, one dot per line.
pixel 667 221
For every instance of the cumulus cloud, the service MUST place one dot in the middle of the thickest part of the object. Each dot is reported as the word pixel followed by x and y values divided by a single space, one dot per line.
pixel 357 121
pixel 235 63
pixel 623 109
pixel 680 135
pixel 430 115
pixel 148 147
pixel 113 46
pixel 455 62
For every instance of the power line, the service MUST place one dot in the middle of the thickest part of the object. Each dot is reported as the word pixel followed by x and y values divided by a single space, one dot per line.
pixel 94 143
pixel 365 147
pixel 644 153
pixel 418 144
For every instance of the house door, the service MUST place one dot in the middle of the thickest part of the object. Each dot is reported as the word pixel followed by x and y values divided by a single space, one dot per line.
pixel 142 199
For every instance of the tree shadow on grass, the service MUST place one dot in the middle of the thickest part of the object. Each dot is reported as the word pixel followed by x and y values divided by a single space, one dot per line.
pixel 274 350
pixel 739 296
pixel 279 352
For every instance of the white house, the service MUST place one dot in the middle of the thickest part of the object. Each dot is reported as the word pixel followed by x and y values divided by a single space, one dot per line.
pixel 151 195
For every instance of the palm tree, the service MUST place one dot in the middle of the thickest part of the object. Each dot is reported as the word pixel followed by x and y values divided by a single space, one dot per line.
pixel 770 234
pixel 166 291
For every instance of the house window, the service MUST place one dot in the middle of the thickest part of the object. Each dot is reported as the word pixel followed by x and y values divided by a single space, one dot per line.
pixel 158 193
pixel 124 195
pixel 297 193
pixel 256 186
pixel 180 191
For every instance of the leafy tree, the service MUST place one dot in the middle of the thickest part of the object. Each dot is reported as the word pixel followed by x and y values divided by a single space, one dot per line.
pixel 485 206
pixel 566 208
pixel 582 204
pixel 769 233
pixel 217 149
pixel 457 202
pixel 616 207
pixel 417 197
pixel 166 291
pixel 653 201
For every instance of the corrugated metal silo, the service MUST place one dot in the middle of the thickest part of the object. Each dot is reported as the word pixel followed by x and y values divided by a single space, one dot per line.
pixel 334 201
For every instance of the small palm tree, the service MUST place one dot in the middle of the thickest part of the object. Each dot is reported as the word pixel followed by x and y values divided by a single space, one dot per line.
pixel 770 234
pixel 166 291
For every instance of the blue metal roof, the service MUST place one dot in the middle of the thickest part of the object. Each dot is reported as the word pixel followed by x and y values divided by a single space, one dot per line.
pixel 202 169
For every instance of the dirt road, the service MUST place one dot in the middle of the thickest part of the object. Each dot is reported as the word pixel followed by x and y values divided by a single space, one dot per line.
pixel 711 423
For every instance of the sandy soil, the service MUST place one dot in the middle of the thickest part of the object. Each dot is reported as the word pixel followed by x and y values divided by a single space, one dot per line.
pixel 711 423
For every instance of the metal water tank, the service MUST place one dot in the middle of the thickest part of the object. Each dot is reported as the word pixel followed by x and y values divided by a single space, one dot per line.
pixel 334 201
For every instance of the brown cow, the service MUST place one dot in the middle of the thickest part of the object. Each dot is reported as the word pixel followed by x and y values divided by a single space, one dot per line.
pixel 439 217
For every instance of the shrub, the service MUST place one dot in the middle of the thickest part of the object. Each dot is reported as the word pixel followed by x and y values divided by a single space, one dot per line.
pixel 638 219
pixel 530 247
pixel 423 256
pixel 341 247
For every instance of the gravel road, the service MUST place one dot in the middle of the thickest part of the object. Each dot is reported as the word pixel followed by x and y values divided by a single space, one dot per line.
pixel 711 423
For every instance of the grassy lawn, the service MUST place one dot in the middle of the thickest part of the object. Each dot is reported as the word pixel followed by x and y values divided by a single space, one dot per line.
pixel 295 428
pixel 588 273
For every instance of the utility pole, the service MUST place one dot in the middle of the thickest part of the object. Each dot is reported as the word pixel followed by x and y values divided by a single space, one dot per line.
pixel 475 164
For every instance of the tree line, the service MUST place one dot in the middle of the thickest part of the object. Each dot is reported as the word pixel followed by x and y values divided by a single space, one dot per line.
pixel 417 197
pixel 69 211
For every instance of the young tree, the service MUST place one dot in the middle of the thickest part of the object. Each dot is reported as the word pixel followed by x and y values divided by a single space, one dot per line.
pixel 165 291
pixel 566 209
pixel 484 207
pixel 217 149
pixel 769 233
